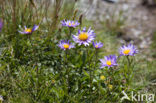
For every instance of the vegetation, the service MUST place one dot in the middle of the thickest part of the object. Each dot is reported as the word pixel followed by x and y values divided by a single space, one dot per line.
pixel 34 69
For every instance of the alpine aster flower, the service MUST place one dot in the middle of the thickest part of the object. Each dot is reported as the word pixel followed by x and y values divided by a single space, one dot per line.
pixel 64 44
pixel 129 49
pixel 109 61
pixel 97 45
pixel 70 23
pixel 84 37
pixel 1 24
pixel 29 30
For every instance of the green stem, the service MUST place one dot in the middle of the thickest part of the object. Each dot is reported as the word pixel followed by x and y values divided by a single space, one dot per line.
pixel 112 74
pixel 80 71
pixel 90 72
pixel 96 58
pixel 129 72
pixel 129 62
pixel 70 32
pixel 35 60
pixel 67 71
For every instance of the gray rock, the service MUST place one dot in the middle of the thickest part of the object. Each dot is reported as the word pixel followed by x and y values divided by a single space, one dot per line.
pixel 111 1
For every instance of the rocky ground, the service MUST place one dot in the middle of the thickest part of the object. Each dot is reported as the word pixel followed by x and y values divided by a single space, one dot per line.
pixel 140 17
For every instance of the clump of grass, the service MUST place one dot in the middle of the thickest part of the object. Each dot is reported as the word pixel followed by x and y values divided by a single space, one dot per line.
pixel 41 65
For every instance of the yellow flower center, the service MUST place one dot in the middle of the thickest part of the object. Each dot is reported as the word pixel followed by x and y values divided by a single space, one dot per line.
pixel 102 77
pixel 66 46
pixel 96 46
pixel 83 36
pixel 71 24
pixel 108 63
pixel 28 30
pixel 126 51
